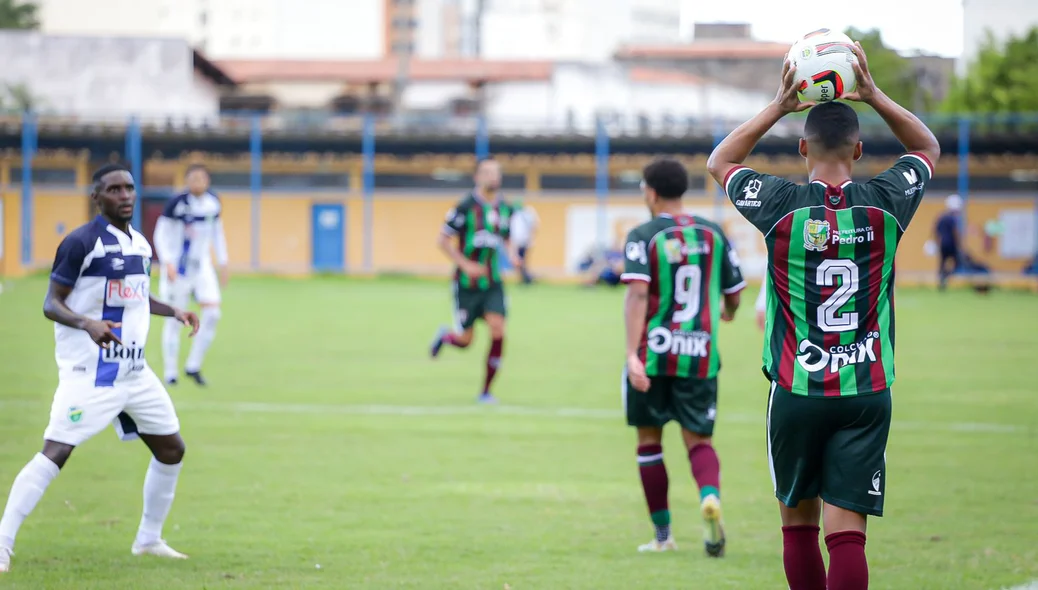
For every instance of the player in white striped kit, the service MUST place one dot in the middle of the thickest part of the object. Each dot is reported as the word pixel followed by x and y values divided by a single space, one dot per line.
pixel 187 234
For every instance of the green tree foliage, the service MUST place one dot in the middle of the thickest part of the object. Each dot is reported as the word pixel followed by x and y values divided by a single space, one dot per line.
pixel 1003 78
pixel 894 74
pixel 15 14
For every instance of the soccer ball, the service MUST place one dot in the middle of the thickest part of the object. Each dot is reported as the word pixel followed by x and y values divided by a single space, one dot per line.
pixel 823 60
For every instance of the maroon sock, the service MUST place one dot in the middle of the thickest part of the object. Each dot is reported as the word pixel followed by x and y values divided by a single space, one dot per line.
pixel 452 340
pixel 848 569
pixel 655 484
pixel 802 558
pixel 706 469
pixel 493 362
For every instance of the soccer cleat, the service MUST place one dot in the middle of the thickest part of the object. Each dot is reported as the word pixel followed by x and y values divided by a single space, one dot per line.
pixel 655 546
pixel 437 344
pixel 197 376
pixel 713 526
pixel 487 398
pixel 5 559
pixel 171 381
pixel 158 549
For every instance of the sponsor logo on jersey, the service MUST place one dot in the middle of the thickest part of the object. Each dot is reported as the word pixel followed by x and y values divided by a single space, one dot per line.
pixel 875 484
pixel 635 252
pixel 816 235
pixel 113 248
pixel 915 184
pixel 749 194
pixel 677 251
pixel 854 235
pixel 814 358
pixel 118 353
pixel 665 341
pixel 486 239
pixel 118 264
pixel 120 292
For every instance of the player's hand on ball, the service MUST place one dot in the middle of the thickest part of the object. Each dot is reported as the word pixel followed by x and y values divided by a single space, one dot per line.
pixel 866 89
pixel 788 97
pixel 636 373
pixel 101 332
pixel 187 318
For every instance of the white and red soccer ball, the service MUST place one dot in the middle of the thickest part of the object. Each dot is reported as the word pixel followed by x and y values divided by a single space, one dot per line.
pixel 823 60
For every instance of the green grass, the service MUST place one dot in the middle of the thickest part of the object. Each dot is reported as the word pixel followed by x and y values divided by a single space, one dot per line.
pixel 304 452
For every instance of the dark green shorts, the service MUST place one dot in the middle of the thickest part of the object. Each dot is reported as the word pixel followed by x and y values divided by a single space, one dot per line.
pixel 472 304
pixel 691 402
pixel 832 447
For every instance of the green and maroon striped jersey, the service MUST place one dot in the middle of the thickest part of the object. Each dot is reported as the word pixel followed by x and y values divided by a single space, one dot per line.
pixel 830 299
pixel 481 228
pixel 688 263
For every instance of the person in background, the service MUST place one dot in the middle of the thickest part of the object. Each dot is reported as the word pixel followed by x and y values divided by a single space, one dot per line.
pixel 603 267
pixel 946 234
pixel 524 227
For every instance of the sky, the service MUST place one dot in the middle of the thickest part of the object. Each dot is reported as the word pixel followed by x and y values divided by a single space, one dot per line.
pixel 932 26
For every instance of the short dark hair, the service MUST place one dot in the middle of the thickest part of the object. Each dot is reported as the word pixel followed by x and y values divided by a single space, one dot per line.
pixel 108 169
pixel 667 177
pixel 191 168
pixel 832 124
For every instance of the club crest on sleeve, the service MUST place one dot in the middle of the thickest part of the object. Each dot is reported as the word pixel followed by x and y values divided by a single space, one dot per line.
pixel 636 252
pixel 816 235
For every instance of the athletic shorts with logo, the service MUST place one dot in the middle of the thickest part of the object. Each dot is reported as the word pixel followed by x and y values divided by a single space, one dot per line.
pixel 200 281
pixel 472 304
pixel 689 401
pixel 832 447
pixel 135 405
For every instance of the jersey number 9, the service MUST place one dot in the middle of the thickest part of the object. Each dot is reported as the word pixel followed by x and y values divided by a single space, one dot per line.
pixel 688 282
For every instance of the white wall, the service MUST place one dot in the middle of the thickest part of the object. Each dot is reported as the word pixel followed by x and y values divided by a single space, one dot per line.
pixel 108 78
pixel 1002 17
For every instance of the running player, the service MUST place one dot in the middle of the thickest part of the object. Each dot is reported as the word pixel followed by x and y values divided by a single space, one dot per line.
pixel 186 235
pixel 99 301
pixel 829 340
pixel 480 223
pixel 682 277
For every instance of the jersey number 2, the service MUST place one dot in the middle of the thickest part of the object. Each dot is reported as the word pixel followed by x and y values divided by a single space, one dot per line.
pixel 829 317
pixel 688 282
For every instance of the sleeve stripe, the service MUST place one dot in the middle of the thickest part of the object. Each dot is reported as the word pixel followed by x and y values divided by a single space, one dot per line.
pixel 60 279
pixel 924 160
pixel 628 277
pixel 735 289
pixel 730 177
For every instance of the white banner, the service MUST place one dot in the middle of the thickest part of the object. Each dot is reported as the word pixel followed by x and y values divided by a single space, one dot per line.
pixel 582 224
pixel 1018 238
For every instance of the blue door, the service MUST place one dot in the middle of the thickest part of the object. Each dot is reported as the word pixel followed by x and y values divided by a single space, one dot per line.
pixel 329 239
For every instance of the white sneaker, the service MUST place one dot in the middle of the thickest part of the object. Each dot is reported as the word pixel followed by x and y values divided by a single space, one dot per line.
pixel 656 546
pixel 713 526
pixel 5 559
pixel 158 549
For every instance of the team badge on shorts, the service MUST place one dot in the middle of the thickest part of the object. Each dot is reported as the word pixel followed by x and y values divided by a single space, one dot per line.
pixel 816 235
pixel 75 414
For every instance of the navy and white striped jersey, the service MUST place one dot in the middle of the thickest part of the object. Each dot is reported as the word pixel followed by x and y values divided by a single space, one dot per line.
pixel 188 230
pixel 109 272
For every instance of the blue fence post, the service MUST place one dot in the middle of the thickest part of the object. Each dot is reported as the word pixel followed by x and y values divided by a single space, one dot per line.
pixel 601 181
pixel 963 185
pixel 132 153
pixel 367 148
pixel 719 196
pixel 28 151
pixel 256 184
pixel 482 138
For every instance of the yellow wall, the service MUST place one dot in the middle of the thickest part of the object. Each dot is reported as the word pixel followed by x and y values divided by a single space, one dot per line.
pixel 405 227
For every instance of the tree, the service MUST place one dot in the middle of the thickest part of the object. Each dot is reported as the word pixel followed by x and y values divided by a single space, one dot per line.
pixel 1003 78
pixel 893 73
pixel 15 14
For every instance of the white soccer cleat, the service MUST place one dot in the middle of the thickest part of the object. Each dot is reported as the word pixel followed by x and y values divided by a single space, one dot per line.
pixel 713 526
pixel 655 546
pixel 5 559
pixel 158 549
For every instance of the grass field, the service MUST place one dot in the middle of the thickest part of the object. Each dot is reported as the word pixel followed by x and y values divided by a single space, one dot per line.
pixel 329 438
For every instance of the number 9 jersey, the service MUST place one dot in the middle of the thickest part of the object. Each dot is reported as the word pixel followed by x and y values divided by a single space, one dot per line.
pixel 830 300
pixel 688 263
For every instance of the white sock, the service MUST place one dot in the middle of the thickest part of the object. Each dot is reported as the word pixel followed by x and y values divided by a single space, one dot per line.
pixel 26 492
pixel 171 348
pixel 160 485
pixel 203 339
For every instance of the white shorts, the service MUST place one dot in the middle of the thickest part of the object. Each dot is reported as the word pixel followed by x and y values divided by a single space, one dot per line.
pixel 81 410
pixel 202 284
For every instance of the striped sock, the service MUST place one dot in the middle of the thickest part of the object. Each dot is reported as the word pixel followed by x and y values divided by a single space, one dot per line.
pixel 655 484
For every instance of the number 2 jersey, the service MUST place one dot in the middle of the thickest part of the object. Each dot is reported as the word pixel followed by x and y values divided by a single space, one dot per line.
pixel 830 298
pixel 688 263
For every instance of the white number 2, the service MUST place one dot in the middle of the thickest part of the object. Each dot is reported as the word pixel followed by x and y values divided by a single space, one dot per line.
pixel 688 281
pixel 829 318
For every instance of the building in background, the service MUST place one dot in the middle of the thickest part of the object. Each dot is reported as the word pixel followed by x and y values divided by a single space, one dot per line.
pixel 1000 18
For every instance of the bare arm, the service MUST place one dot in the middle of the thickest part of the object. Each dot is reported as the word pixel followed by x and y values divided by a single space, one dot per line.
pixel 448 247
pixel 636 303
pixel 731 304
pixel 219 242
pixel 161 309
pixel 56 310
pixel 168 311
